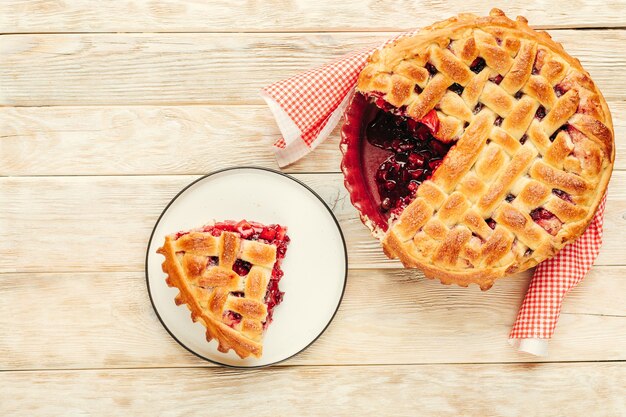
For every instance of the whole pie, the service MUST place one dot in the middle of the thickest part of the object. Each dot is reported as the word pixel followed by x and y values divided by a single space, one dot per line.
pixel 476 148
pixel 227 274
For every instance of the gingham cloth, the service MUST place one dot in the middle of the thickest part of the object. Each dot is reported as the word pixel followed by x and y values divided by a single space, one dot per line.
pixel 308 106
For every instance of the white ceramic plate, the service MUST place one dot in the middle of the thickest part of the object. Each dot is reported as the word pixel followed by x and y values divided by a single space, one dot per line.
pixel 315 266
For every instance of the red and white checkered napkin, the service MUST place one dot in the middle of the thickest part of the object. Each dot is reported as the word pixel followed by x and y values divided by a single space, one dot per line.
pixel 308 106
pixel 553 278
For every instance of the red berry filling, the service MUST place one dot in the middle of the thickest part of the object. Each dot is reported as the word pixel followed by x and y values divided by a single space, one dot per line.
pixel 414 154
pixel 497 79
pixel 272 234
pixel 541 113
pixel 386 156
pixel 456 88
pixel 381 103
pixel 241 267
pixel 562 195
pixel 559 90
pixel 231 318
pixel 273 297
pixel 478 65
pixel 547 220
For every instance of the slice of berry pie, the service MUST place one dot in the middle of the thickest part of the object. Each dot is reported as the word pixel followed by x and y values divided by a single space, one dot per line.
pixel 227 274
pixel 476 148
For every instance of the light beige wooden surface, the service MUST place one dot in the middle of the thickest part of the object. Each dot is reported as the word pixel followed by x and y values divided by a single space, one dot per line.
pixel 439 390
pixel 206 68
pixel 100 129
pixel 21 16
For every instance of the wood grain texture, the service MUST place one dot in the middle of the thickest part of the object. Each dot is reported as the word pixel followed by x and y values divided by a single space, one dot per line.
pixel 139 69
pixel 470 390
pixel 164 140
pixel 280 15
pixel 71 219
pixel 415 321
pixel 145 140
pixel 120 122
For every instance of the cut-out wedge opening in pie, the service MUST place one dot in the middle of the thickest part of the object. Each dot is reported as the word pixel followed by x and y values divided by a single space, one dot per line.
pixel 476 148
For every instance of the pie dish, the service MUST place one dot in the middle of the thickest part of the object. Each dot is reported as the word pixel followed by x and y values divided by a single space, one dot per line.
pixel 476 148
pixel 227 274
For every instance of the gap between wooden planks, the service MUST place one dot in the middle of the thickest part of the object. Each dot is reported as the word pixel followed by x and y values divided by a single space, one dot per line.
pixel 105 320
pixel 138 140
pixel 281 15
pixel 71 219
pixel 177 69
pixel 477 390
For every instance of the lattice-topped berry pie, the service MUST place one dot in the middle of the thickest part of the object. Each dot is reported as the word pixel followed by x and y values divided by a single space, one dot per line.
pixel 476 148
pixel 227 274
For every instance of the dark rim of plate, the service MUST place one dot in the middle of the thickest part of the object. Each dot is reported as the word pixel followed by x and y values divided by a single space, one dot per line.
pixel 345 278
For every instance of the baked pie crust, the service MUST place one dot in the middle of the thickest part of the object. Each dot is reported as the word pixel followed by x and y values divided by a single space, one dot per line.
pixel 227 274
pixel 532 146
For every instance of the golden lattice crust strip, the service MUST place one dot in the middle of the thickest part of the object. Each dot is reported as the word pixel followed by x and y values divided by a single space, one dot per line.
pixel 527 122
pixel 206 290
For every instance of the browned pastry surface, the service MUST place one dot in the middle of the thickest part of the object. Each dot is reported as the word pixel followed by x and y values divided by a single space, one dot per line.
pixel 208 290
pixel 533 150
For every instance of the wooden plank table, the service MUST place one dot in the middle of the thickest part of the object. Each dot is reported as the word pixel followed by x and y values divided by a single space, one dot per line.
pixel 109 108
